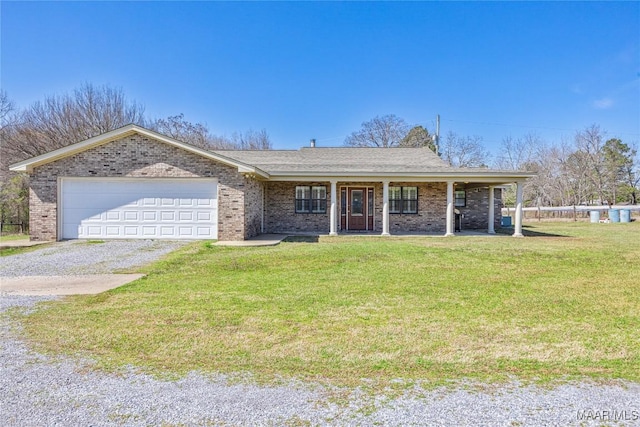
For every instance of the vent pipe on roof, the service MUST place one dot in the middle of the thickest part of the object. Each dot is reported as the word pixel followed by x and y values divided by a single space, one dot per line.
pixel 312 143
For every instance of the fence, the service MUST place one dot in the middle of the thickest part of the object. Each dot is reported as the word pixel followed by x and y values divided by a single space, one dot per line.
pixel 12 227
pixel 575 213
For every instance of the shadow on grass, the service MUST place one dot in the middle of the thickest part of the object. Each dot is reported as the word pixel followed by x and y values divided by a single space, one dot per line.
pixel 302 239
pixel 528 231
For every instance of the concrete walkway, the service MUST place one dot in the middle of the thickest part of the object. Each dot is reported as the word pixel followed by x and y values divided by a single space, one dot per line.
pixel 64 285
pixel 261 240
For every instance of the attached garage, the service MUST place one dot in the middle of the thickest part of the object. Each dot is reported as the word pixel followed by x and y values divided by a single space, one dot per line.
pixel 138 208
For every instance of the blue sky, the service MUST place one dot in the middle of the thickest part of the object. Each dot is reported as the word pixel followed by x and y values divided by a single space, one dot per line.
pixel 319 69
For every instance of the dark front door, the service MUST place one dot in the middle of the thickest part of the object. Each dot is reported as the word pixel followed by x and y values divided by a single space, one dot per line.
pixel 357 209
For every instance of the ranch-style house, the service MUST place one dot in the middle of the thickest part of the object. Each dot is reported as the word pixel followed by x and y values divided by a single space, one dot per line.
pixel 135 183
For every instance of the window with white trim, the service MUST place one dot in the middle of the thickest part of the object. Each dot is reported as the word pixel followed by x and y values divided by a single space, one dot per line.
pixel 460 198
pixel 311 199
pixel 403 200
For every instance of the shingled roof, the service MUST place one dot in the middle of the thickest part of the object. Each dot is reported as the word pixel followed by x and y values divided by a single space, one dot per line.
pixel 307 163
pixel 342 160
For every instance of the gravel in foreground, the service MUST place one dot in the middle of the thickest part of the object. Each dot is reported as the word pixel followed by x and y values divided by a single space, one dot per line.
pixel 38 390
pixel 81 257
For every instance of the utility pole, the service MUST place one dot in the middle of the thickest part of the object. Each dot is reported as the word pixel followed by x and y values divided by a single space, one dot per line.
pixel 436 139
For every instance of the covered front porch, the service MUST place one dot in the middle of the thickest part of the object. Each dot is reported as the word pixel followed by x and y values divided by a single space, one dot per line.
pixel 387 207
pixel 359 203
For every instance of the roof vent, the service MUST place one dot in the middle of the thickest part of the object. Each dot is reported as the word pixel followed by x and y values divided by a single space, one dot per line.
pixel 312 143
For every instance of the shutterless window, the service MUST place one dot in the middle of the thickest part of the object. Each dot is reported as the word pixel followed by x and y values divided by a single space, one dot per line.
pixel 319 199
pixel 410 200
pixel 311 199
pixel 403 200
pixel 395 199
pixel 460 198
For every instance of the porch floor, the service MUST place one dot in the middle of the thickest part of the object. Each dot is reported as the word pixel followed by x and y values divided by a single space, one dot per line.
pixel 275 239
pixel 417 234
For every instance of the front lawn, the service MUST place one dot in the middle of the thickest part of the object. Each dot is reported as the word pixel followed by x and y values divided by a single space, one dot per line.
pixel 348 308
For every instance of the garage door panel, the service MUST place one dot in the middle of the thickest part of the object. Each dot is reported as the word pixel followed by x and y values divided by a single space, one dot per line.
pixel 148 215
pixel 203 216
pixel 91 230
pixel 130 231
pixel 185 216
pixel 113 216
pixel 130 216
pixel 139 208
pixel 167 216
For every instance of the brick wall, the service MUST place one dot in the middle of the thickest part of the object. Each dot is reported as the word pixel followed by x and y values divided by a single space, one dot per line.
pixel 476 212
pixel 432 209
pixel 280 212
pixel 280 216
pixel 253 207
pixel 138 156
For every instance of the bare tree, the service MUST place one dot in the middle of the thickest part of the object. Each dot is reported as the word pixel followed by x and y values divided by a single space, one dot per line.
pixel 62 120
pixel 14 190
pixel 632 177
pixel 381 131
pixel 89 111
pixel 198 134
pixel 590 157
pixel 8 120
pixel 515 154
pixel 251 140
pixel 465 151
pixel 178 128
pixel 7 110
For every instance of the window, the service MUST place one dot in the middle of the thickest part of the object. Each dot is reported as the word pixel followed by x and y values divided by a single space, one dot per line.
pixel 395 199
pixel 403 200
pixel 311 199
pixel 460 198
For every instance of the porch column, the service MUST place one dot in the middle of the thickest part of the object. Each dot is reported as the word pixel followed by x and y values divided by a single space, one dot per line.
pixel 385 208
pixel 492 211
pixel 449 228
pixel 333 213
pixel 518 223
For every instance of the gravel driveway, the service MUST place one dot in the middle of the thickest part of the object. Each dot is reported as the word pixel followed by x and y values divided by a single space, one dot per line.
pixel 79 257
pixel 38 390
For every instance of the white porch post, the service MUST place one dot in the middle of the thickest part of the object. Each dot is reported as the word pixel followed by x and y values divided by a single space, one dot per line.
pixel 333 213
pixel 385 208
pixel 449 227
pixel 492 212
pixel 518 223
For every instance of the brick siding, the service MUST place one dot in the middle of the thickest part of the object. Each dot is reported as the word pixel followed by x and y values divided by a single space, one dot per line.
pixel 476 212
pixel 280 212
pixel 143 157
pixel 246 206
pixel 432 209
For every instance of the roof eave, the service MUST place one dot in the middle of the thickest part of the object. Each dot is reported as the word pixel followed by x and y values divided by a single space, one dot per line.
pixel 29 164
pixel 456 176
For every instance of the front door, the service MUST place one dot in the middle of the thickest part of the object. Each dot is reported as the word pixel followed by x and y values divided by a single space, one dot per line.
pixel 357 209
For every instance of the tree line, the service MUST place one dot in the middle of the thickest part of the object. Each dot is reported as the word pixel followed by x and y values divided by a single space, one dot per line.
pixel 60 120
pixel 589 169
pixel 586 170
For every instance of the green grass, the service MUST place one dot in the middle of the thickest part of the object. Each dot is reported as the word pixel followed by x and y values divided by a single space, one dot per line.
pixel 21 249
pixel 9 237
pixel 344 309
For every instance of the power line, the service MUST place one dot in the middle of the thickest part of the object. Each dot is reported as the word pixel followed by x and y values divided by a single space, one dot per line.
pixel 529 127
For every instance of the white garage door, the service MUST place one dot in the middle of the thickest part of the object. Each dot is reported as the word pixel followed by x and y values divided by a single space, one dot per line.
pixel 139 208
